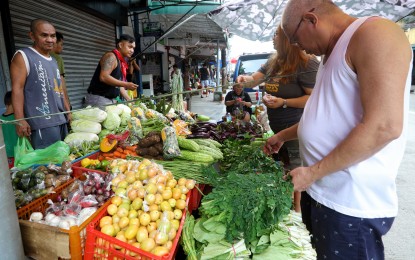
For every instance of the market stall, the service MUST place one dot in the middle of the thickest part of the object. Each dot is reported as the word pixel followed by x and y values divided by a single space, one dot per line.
pixel 130 184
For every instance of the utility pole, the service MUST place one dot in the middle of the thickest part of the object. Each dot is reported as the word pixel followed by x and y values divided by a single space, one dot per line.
pixel 11 246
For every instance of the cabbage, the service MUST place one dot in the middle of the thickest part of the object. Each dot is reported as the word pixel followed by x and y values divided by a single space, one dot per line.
pixel 125 118
pixel 113 121
pixel 114 109
pixel 76 139
pixel 85 126
pixel 92 114
pixel 104 133
pixel 125 109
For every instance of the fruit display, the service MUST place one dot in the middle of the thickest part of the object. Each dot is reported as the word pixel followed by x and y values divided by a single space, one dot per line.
pixel 147 207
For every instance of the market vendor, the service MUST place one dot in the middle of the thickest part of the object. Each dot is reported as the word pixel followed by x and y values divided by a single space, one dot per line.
pixel 238 103
pixel 110 78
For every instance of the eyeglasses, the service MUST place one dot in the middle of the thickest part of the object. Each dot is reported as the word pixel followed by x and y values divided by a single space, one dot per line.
pixel 293 39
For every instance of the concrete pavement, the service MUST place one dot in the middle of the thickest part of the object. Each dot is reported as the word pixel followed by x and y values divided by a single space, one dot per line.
pixel 400 241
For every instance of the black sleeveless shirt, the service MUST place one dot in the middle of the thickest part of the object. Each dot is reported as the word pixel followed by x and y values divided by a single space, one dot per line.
pixel 96 87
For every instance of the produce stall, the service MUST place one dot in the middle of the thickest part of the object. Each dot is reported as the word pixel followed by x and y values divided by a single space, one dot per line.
pixel 133 186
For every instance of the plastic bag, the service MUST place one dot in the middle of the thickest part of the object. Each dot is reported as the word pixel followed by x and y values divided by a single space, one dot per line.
pixel 136 131
pixel 25 156
pixel 170 144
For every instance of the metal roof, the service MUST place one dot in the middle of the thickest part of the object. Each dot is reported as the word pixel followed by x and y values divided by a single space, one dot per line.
pixel 200 24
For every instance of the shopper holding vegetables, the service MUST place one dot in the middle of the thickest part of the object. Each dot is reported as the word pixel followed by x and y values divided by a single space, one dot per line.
pixel 110 78
pixel 292 75
pixel 353 130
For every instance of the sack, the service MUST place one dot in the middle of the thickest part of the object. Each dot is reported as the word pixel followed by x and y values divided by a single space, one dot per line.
pixel 25 156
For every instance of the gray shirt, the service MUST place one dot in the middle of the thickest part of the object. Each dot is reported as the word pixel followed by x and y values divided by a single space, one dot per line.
pixel 43 93
pixel 281 118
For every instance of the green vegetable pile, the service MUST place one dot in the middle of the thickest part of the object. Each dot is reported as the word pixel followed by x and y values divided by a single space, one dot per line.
pixel 249 205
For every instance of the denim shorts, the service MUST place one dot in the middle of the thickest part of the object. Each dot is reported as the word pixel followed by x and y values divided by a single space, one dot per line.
pixel 338 236
pixel 42 138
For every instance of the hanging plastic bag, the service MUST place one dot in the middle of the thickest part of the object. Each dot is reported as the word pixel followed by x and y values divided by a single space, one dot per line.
pixel 25 156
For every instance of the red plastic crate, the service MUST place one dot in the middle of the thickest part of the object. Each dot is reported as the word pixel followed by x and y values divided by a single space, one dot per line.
pixel 78 169
pixel 196 197
pixel 97 241
pixel 67 244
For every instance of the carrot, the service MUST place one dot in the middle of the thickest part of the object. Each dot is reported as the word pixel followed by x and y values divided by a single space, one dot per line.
pixel 108 158
pixel 123 156
pixel 128 152
pixel 119 149
pixel 100 157
pixel 107 154
pixel 117 154
pixel 134 154
pixel 131 148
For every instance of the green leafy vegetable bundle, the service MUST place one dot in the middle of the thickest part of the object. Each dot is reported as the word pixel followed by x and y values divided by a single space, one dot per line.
pixel 243 158
pixel 249 205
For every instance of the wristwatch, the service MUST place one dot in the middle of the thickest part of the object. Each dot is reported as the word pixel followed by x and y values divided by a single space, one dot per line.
pixel 284 103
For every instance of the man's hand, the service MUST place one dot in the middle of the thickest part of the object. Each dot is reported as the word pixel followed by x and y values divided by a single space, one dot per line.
pixel 302 178
pixel 273 144
pixel 23 128
pixel 130 85
pixel 69 117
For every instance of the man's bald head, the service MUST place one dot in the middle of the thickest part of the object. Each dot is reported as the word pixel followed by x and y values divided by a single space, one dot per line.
pixel 36 22
pixel 296 8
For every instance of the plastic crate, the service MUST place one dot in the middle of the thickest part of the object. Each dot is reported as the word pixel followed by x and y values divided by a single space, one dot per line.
pixel 196 197
pixel 42 241
pixel 40 204
pixel 78 169
pixel 101 246
pixel 85 156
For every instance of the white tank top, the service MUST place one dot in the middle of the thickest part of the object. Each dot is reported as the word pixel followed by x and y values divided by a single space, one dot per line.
pixel 366 189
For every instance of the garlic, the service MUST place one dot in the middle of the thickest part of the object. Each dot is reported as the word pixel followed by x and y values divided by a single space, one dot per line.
pixel 54 222
pixel 36 217
pixel 64 224
pixel 49 217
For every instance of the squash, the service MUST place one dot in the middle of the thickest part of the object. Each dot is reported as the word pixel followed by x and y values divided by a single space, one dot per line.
pixel 106 145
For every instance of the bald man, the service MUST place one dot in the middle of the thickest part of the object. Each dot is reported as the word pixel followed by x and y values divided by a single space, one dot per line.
pixel 37 88
pixel 353 130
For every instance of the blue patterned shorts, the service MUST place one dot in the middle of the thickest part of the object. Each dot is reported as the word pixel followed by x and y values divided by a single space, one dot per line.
pixel 338 236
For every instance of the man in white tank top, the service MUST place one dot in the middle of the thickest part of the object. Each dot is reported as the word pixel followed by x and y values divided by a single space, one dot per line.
pixel 353 130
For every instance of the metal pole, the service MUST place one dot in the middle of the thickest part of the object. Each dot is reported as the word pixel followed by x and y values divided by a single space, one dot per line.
pixel 11 246
pixel 217 65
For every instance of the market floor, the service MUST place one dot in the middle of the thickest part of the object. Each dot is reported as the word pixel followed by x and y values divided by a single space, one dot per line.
pixel 207 106
pixel 400 241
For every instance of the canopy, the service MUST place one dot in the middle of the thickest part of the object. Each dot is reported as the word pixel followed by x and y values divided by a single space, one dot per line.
pixel 257 19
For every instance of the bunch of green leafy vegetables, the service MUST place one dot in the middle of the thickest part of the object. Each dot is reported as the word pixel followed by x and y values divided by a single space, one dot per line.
pixel 248 205
pixel 243 158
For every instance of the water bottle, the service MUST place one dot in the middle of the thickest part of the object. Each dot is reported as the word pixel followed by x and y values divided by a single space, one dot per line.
pixel 228 117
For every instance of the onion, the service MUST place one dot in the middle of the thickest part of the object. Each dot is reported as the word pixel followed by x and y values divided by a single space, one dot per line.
pixel 55 221
pixel 97 185
pixel 100 198
pixel 87 190
pixel 90 183
pixel 107 194
pixel 36 216
pixel 64 224
pixel 49 217
pixel 100 191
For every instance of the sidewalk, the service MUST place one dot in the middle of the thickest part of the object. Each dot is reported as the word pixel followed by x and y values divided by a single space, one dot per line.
pixel 206 106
